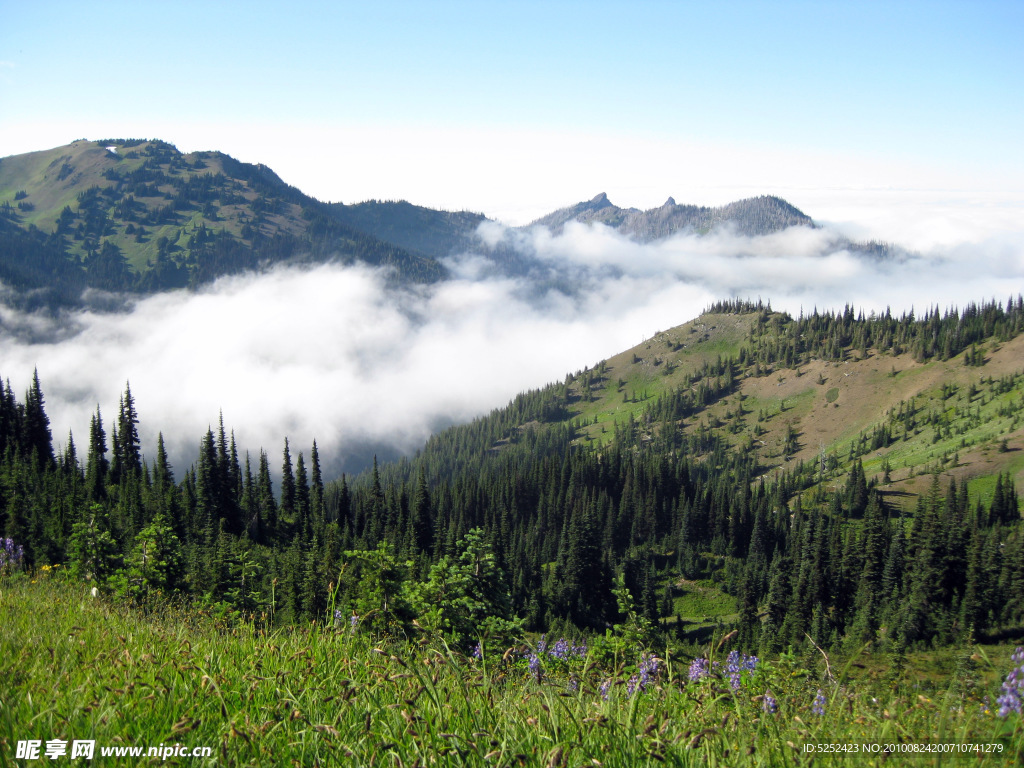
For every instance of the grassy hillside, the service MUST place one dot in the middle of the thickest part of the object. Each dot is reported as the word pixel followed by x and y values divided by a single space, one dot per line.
pixel 141 214
pixel 967 420
pixel 46 182
pixel 128 678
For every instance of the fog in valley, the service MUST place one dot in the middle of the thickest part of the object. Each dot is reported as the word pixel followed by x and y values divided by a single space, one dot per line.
pixel 334 354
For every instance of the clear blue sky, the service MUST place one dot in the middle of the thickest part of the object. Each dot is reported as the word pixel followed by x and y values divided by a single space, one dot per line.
pixel 503 106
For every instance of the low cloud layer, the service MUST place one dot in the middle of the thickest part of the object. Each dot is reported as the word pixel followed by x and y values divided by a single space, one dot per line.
pixel 330 353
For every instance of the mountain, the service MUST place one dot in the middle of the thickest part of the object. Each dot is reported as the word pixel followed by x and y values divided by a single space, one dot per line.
pixel 753 216
pixel 921 396
pixel 833 481
pixel 434 233
pixel 141 216
pixel 845 478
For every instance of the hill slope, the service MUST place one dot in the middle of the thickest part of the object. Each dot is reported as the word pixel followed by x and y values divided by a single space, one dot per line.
pixel 752 469
pixel 140 215
pixel 423 230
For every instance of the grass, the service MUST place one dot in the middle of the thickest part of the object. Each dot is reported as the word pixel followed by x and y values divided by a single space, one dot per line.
pixel 704 602
pixel 37 174
pixel 76 667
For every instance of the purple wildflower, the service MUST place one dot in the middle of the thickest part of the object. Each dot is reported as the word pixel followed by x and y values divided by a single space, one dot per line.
pixel 645 673
pixel 771 706
pixel 11 556
pixel 560 650
pixel 699 668
pixel 733 666
pixel 478 651
pixel 534 664
pixel 1012 689
pixel 604 688
pixel 818 707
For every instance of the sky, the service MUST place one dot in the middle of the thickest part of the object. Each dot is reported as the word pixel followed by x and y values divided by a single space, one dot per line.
pixel 892 121
pixel 514 109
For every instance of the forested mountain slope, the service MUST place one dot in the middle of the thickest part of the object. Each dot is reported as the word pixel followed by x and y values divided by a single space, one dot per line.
pixel 142 216
pixel 845 478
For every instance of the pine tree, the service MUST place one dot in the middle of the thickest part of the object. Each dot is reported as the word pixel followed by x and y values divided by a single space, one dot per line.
pixel 97 467
pixel 287 487
pixel 302 521
pixel 129 456
pixel 316 490
pixel 37 440
pixel 421 515
pixel 207 492
pixel 266 503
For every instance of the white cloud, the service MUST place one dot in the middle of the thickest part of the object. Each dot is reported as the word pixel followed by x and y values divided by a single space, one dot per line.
pixel 329 353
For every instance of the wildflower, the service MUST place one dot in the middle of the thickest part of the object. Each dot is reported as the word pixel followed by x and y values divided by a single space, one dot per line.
pixel 534 664
pixel 699 668
pixel 733 667
pixel 1012 689
pixel 771 706
pixel 573 685
pixel 818 707
pixel 645 672
pixel 478 651
pixel 560 650
pixel 11 556
pixel 604 688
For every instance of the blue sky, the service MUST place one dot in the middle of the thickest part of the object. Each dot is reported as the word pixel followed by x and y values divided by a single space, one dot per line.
pixel 897 121
pixel 847 109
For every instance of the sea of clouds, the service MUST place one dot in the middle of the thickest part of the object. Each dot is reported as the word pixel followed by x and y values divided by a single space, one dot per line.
pixel 340 355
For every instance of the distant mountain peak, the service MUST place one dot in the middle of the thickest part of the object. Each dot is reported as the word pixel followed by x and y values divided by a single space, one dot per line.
pixel 753 216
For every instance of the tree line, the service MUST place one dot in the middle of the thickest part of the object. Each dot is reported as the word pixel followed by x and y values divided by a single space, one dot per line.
pixel 553 524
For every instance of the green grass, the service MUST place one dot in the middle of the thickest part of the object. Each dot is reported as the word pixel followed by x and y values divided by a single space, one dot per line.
pixel 75 667
pixel 704 602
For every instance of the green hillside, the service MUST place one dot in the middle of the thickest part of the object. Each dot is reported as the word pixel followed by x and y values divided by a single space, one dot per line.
pixel 140 215
pixel 960 416
pixel 200 692
pixel 772 529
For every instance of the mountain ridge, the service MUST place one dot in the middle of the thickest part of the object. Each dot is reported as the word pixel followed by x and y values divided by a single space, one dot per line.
pixel 138 215
pixel 751 217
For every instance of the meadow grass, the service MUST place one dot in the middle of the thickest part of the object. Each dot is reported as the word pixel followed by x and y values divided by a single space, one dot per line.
pixel 78 667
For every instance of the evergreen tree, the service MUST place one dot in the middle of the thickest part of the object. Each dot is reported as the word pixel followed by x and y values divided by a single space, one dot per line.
pixel 97 467
pixel 302 520
pixel 37 439
pixel 129 458
pixel 287 486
